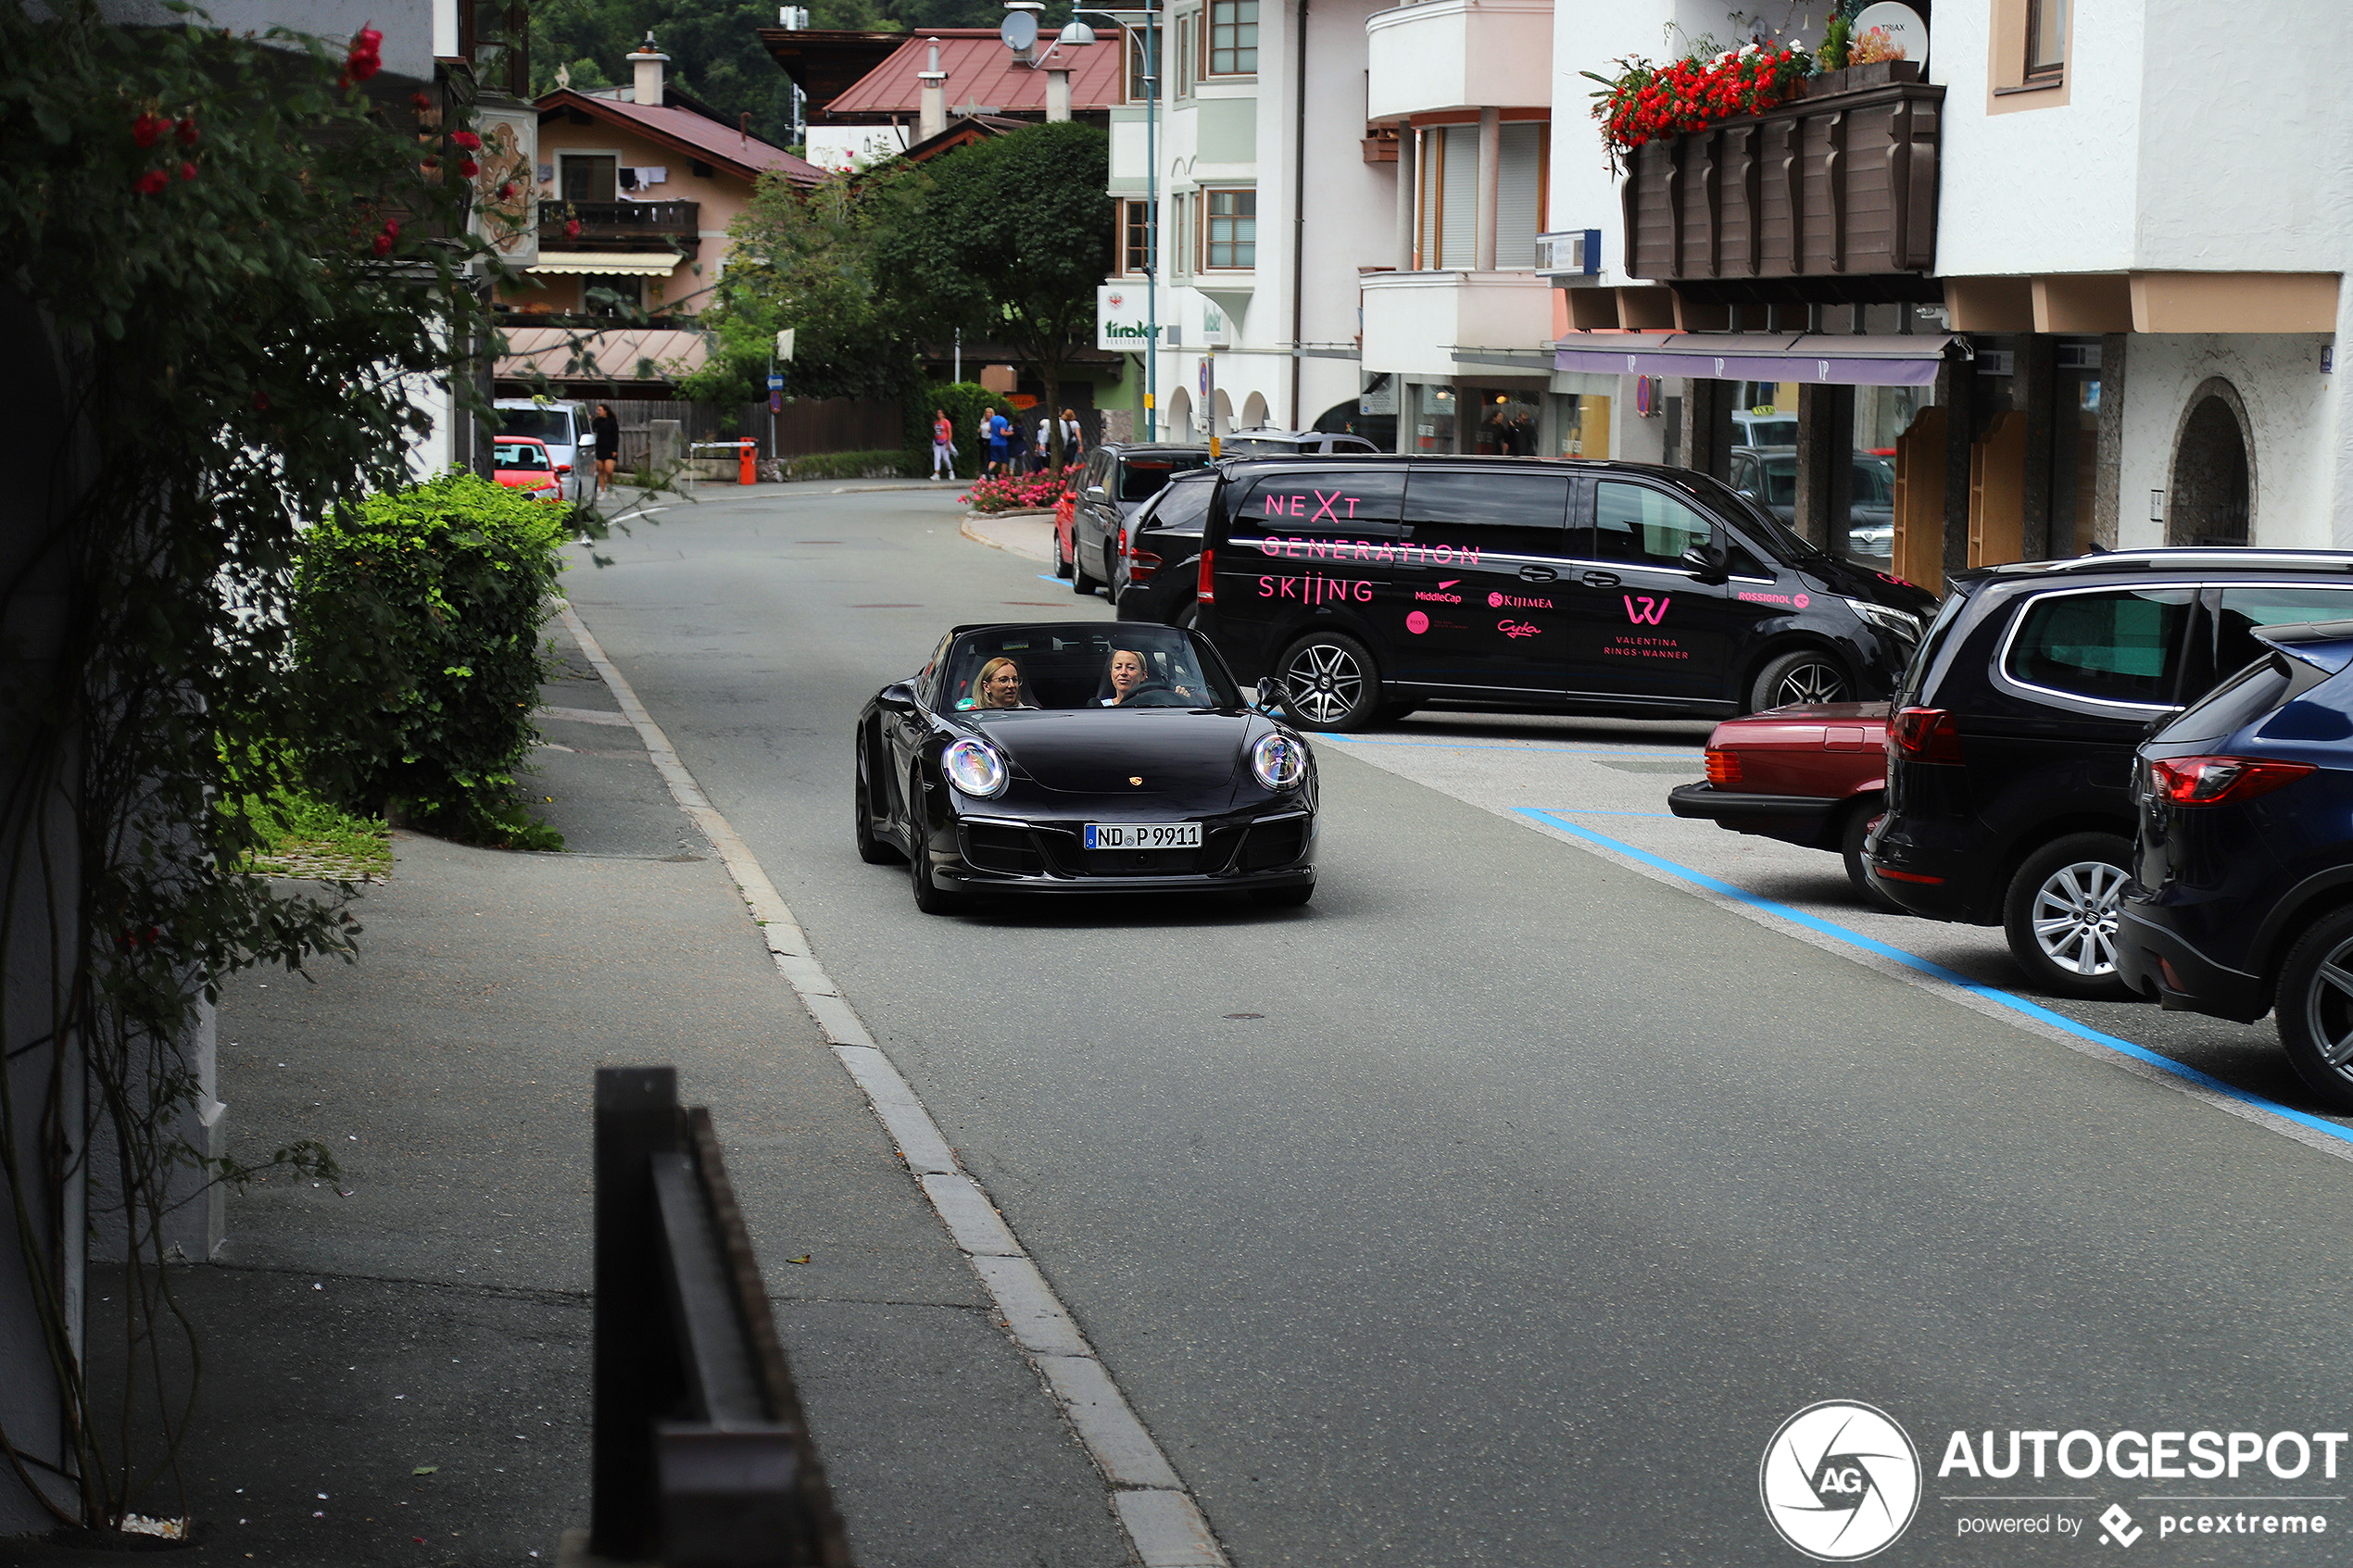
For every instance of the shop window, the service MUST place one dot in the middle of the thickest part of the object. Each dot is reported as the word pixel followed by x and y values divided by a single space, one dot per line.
pixel 1233 37
pixel 1507 424
pixel 1433 419
pixel 1584 426
pixel 1229 233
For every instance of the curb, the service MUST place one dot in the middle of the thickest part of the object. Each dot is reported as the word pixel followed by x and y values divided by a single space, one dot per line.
pixel 967 529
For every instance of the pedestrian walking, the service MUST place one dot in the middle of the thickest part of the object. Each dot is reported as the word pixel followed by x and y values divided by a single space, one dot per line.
pixel 1074 438
pixel 606 431
pixel 1045 443
pixel 992 451
pixel 943 445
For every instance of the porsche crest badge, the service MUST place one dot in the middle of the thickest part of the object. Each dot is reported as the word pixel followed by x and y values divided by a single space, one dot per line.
pixel 1136 779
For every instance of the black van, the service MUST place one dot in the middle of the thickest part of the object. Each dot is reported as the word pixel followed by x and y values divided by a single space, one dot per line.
pixel 1372 588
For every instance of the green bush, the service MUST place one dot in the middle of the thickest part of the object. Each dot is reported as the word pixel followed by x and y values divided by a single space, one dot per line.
pixel 416 619
pixel 963 401
pixel 859 465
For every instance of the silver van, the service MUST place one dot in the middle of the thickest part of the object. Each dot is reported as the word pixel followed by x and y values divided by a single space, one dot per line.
pixel 564 428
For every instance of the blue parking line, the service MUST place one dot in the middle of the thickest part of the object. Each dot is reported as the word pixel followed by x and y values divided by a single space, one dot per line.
pixel 1449 745
pixel 1047 577
pixel 1938 971
pixel 1595 812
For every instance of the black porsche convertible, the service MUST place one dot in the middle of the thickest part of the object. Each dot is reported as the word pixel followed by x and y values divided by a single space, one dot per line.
pixel 1093 757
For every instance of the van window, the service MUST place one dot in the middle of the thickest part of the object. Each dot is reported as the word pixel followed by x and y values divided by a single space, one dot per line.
pixel 1509 513
pixel 1141 478
pixel 541 424
pixel 1633 523
pixel 1321 513
pixel 2244 609
pixel 2121 645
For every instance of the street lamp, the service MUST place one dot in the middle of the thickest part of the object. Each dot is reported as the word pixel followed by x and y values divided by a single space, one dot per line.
pixel 1078 35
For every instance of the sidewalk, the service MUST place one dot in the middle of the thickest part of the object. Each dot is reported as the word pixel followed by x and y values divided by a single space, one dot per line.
pixel 1029 534
pixel 400 1373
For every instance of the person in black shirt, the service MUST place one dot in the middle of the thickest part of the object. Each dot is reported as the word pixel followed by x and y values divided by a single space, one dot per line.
pixel 608 432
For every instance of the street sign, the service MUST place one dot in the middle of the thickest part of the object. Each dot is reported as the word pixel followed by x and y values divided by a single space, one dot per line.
pixel 1204 376
pixel 775 383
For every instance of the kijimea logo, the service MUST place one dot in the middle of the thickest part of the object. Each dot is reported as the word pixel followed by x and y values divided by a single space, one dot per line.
pixel 1840 1481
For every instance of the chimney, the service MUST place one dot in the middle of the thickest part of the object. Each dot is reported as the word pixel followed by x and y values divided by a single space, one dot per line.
pixel 933 117
pixel 1057 95
pixel 648 61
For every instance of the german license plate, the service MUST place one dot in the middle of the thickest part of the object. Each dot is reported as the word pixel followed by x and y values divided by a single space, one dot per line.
pixel 1143 835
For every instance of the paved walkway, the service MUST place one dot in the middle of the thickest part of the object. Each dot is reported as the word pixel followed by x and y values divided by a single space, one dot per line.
pixel 1029 534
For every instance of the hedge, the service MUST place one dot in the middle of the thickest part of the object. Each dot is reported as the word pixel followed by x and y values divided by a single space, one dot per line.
pixel 416 623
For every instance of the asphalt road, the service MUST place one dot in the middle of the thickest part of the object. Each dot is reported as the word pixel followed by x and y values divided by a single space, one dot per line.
pixel 1541 1191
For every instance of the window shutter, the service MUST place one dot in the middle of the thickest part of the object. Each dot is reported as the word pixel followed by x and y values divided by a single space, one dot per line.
pixel 1458 217
pixel 1519 193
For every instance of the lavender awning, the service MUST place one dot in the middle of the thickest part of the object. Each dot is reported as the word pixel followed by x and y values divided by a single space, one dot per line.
pixel 1825 358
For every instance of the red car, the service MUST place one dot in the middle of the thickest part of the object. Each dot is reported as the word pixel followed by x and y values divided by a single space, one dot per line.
pixel 521 462
pixel 1813 775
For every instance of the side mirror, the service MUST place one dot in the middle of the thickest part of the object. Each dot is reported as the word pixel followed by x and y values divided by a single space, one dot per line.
pixel 896 698
pixel 564 468
pixel 1095 490
pixel 1708 559
pixel 1272 694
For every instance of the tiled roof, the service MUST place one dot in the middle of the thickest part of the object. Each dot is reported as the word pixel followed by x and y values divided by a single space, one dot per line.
pixel 693 134
pixel 981 71
pixel 616 355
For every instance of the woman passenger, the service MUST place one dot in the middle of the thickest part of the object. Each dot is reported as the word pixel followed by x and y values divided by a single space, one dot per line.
pixel 999 685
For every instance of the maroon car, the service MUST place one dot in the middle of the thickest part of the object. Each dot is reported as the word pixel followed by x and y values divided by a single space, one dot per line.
pixel 1815 775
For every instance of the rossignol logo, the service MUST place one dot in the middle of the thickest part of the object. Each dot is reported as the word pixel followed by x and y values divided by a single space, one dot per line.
pixel 1840 1481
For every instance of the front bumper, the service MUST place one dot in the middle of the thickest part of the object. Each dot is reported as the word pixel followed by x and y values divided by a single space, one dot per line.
pixel 1015 855
pixel 1795 819
pixel 2155 963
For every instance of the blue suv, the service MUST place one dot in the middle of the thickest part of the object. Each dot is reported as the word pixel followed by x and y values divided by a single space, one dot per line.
pixel 2241 896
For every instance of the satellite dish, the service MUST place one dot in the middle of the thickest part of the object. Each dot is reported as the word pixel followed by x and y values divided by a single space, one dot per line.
pixel 1904 28
pixel 1020 32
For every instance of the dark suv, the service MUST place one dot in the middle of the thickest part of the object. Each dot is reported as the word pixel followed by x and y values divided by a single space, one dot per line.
pixel 1371 586
pixel 2241 892
pixel 2011 751
pixel 1117 479
pixel 1157 555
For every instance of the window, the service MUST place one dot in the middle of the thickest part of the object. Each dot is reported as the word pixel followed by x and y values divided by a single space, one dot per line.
pixel 1140 82
pixel 1233 37
pixel 2122 645
pixel 588 179
pixel 2244 609
pixel 1448 215
pixel 1141 479
pixel 2045 38
pixel 1135 238
pixel 602 295
pixel 1634 523
pixel 1520 193
pixel 1509 513
pixel 1308 509
pixel 1186 59
pixel 1229 237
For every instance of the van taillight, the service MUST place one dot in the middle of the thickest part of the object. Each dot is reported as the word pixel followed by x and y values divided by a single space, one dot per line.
pixel 1723 767
pixel 1924 734
pixel 1206 589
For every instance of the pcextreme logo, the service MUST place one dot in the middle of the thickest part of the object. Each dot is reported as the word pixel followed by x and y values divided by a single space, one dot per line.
pixel 1840 1481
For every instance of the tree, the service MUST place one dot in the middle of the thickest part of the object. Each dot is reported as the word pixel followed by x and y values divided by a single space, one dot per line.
pixel 805 259
pixel 1007 237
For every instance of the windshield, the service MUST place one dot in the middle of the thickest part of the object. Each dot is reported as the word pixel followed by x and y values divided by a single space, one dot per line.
pixel 1081 668
pixel 540 424
pixel 1142 477
pixel 520 455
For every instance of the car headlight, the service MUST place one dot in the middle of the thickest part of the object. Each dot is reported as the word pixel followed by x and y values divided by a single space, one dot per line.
pixel 974 768
pixel 1902 624
pixel 1278 760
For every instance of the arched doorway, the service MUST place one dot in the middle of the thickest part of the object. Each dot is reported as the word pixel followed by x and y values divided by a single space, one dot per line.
pixel 1221 413
pixel 1180 418
pixel 1254 411
pixel 2212 500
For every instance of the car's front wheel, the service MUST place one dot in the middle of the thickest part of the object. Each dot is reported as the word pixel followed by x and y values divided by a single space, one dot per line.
pixel 1808 675
pixel 2315 1005
pixel 1332 682
pixel 929 897
pixel 2060 915
pixel 871 849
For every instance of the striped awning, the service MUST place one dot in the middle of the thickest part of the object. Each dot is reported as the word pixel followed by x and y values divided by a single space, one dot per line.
pixel 1826 358
pixel 642 354
pixel 611 264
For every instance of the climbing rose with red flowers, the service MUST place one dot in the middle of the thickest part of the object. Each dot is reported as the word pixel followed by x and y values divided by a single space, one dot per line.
pixel 1645 102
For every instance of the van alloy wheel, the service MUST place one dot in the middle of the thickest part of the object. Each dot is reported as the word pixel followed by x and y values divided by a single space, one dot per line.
pixel 2074 916
pixel 1802 677
pixel 2060 915
pixel 1326 680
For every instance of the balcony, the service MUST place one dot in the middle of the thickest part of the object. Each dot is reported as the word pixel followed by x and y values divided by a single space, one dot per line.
pixel 641 226
pixel 1445 54
pixel 1416 322
pixel 1830 198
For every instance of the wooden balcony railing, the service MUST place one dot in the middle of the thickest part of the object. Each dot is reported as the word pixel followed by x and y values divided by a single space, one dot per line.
pixel 604 225
pixel 1803 202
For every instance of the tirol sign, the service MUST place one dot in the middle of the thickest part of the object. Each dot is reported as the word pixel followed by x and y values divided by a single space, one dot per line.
pixel 1122 323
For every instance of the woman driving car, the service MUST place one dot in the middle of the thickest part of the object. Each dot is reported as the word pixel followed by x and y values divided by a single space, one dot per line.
pixel 1134 685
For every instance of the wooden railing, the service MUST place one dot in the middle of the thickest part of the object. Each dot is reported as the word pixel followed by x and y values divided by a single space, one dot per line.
pixel 1838 185
pixel 608 221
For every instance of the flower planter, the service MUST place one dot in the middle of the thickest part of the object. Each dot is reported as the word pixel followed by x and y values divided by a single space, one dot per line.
pixel 1837 184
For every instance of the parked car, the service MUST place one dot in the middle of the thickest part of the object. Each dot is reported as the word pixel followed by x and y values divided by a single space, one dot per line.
pixel 1769 476
pixel 1264 441
pixel 1093 757
pixel 2241 896
pixel 562 428
pixel 1813 775
pixel 520 463
pixel 2011 751
pixel 1371 586
pixel 1158 558
pixel 1119 477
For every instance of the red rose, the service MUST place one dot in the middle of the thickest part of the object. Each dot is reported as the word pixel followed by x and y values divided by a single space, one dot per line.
pixel 187 132
pixel 571 229
pixel 418 102
pixel 150 183
pixel 507 191
pixel 384 244
pixel 392 227
pixel 467 140
pixel 469 167
pixel 146 128
pixel 366 58
pixel 187 172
